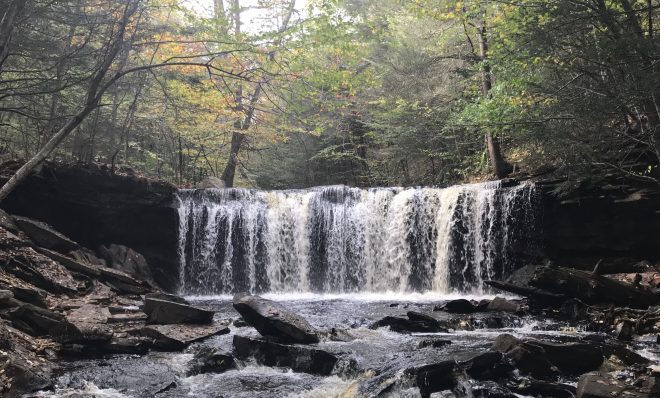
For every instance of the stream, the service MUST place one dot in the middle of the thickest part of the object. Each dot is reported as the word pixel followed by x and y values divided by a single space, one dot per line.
pixel 374 351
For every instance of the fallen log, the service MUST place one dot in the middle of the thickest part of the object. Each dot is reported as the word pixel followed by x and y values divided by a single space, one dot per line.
pixel 592 288
pixel 533 293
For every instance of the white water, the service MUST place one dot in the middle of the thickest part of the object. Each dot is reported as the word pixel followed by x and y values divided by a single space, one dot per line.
pixel 347 240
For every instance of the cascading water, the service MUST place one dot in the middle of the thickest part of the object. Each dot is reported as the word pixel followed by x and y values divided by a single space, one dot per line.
pixel 344 240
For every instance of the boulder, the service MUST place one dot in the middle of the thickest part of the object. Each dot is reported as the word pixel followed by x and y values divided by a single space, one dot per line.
pixel 487 366
pixel 45 236
pixel 210 360
pixel 415 322
pixel 503 305
pixel 170 312
pixel 543 359
pixel 563 356
pixel 459 306
pixel 126 260
pixel 298 358
pixel 597 385
pixel 274 321
pixel 434 377
pixel 529 359
pixel 178 337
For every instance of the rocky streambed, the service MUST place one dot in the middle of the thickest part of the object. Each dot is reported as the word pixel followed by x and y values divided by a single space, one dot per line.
pixel 426 349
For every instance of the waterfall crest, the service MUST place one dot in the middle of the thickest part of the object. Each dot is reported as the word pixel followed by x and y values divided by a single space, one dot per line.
pixel 338 239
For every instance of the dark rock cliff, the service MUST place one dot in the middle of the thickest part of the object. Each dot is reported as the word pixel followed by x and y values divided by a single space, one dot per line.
pixel 617 225
pixel 95 206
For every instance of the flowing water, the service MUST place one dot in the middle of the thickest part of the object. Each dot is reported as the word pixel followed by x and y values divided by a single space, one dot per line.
pixel 338 239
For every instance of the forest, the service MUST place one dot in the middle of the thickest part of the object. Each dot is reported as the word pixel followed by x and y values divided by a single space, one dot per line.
pixel 285 94
pixel 329 198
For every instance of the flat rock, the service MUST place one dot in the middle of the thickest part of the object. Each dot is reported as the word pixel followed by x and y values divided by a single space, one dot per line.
pixel 87 323
pixel 44 235
pixel 120 281
pixel 132 377
pixel 298 358
pixel 170 312
pixel 274 321
pixel 33 320
pixel 178 337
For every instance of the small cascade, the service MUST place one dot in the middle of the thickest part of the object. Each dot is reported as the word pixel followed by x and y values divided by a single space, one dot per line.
pixel 338 239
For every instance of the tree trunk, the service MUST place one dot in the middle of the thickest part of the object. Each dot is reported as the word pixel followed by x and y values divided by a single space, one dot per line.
pixel 237 137
pixel 592 288
pixel 47 149
pixel 7 23
pixel 499 166
pixel 95 91
pixel 230 169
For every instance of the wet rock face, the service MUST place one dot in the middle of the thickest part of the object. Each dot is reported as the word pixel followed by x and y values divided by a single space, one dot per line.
pixel 272 320
pixel 298 358
pixel 45 236
pixel 601 223
pixel 94 206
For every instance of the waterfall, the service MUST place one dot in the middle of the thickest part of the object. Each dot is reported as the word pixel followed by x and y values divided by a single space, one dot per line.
pixel 345 240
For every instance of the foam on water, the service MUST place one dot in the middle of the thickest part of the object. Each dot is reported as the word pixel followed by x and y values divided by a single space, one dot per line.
pixel 357 297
